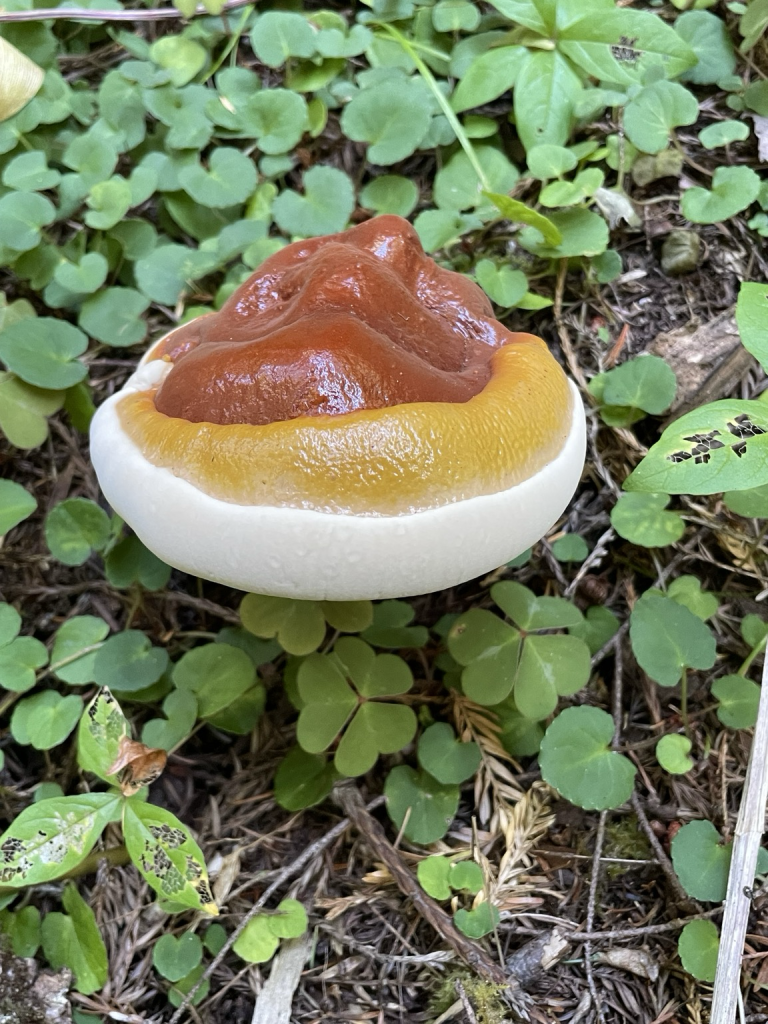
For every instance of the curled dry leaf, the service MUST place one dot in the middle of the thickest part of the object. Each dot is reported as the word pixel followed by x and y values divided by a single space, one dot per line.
pixel 136 765
pixel 636 961
pixel 20 78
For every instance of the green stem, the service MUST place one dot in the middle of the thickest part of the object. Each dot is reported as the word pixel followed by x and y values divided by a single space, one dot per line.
pixel 233 41
pixel 746 664
pixel 445 106
pixel 684 702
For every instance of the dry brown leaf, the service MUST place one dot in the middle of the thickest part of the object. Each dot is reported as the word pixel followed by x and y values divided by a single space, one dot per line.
pixel 136 765
pixel 636 961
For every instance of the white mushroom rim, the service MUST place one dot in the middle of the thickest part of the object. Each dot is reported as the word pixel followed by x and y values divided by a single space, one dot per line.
pixel 311 555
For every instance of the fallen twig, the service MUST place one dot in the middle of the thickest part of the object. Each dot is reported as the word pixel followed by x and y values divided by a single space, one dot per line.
pixel 746 844
pixel 349 799
pixel 614 934
pixel 664 862
pixel 593 880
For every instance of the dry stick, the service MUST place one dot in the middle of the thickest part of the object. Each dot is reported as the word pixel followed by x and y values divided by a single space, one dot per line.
pixel 349 799
pixel 87 14
pixel 746 844
pixel 288 872
pixel 613 934
pixel 591 914
pixel 664 862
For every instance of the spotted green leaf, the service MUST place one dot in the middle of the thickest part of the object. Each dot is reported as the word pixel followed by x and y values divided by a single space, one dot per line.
pixel 52 837
pixel 102 727
pixel 721 446
pixel 167 856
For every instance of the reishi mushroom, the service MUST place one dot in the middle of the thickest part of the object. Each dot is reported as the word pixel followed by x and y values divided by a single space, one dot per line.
pixel 352 423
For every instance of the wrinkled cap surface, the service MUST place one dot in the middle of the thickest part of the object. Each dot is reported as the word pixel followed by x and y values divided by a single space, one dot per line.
pixel 361 397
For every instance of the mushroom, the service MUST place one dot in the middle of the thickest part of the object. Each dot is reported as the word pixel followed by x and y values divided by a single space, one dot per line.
pixel 352 423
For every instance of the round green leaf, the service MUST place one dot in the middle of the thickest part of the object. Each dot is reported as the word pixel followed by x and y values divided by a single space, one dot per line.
pixel 701 861
pixel 278 35
pixel 169 270
pixel 42 351
pixel 10 623
pixel 545 162
pixel 429 805
pixel 46 719
pixel 18 661
pixel 29 172
pixel 433 873
pixel 479 921
pixel 114 317
pixel 128 662
pixel 393 120
pixel 231 177
pixel 646 382
pixel 108 202
pixel 686 590
pixel 277 117
pixel 456 186
pixel 84 277
pixel 73 637
pixel 16 505
pixel 175 958
pixel 709 38
pixel 502 285
pixel 390 193
pixel 576 759
pixel 570 548
pixel 733 190
pixel 738 701
pixel 722 133
pixel 217 674
pixel 672 754
pixel 74 528
pixel 466 875
pixel 639 517
pixel 23 411
pixel 258 943
pixel 655 111
pixel 752 319
pixel 445 757
pixel 583 233
pixel 303 780
pixel 667 638
pixel 182 58
pixel 289 920
pixel 325 207
pixel 22 215
pixel 698 947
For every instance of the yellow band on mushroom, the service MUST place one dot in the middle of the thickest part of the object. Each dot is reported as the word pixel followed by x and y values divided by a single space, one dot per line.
pixel 390 461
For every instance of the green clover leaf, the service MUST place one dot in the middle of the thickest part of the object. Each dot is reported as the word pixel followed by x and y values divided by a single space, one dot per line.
pixel 16 505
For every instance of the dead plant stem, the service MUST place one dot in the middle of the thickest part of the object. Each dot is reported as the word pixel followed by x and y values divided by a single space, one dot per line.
pixel 746 844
